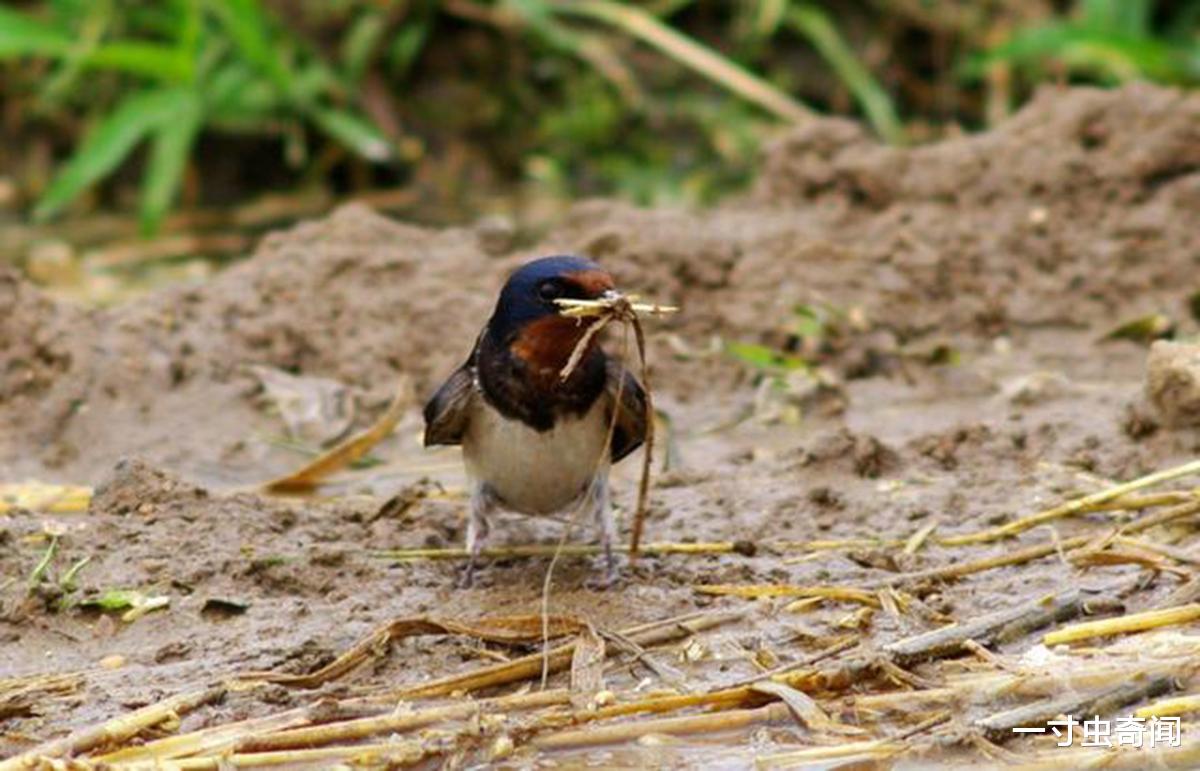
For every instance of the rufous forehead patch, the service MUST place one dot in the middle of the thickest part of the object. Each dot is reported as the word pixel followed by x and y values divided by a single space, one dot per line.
pixel 593 282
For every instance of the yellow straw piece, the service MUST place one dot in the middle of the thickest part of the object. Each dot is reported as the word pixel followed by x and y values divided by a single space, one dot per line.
pixel 1138 622
pixel 1180 705
pixel 51 499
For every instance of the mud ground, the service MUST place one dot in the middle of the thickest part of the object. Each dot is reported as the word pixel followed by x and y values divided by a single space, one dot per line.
pixel 964 378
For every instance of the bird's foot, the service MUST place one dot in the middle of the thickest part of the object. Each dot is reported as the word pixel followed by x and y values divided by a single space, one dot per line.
pixel 606 580
pixel 466 577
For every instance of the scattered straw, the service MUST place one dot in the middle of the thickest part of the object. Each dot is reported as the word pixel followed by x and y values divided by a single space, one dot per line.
pixel 1082 505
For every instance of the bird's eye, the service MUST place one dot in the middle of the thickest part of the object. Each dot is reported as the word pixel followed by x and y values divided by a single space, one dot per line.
pixel 549 290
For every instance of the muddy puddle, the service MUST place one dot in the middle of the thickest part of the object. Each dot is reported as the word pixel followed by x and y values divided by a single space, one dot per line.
pixel 879 350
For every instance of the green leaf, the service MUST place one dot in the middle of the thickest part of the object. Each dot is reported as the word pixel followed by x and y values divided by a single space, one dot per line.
pixel 407 46
pixel 170 147
pixel 22 35
pixel 235 93
pixel 1145 329
pixel 114 599
pixel 1117 17
pixel 134 603
pixel 148 60
pixel 360 44
pixel 108 144
pixel 247 23
pixel 762 357
pixel 815 25
pixel 354 133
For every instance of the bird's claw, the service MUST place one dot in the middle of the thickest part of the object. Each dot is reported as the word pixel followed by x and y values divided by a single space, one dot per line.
pixel 466 577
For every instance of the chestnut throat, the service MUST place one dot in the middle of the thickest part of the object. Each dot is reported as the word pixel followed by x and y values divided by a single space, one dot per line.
pixel 520 376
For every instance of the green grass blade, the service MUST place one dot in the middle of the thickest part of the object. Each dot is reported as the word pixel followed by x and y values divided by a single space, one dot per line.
pixel 407 44
pixel 815 26
pixel 360 44
pixel 645 27
pixel 108 144
pixel 170 147
pixel 147 60
pixel 1084 51
pixel 249 27
pixel 1117 17
pixel 355 133
pixel 22 35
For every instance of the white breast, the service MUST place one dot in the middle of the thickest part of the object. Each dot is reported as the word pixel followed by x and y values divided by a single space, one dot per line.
pixel 535 472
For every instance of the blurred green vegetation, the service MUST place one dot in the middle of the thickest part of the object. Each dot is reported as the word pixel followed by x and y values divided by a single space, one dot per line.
pixel 111 105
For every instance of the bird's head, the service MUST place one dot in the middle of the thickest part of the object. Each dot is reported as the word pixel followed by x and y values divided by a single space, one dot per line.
pixel 527 320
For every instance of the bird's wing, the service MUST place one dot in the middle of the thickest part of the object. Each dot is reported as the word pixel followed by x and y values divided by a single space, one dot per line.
pixel 447 413
pixel 630 430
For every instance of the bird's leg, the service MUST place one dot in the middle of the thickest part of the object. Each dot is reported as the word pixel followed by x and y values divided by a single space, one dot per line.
pixel 601 503
pixel 482 504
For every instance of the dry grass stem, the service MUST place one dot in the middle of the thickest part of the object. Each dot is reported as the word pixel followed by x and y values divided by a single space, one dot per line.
pixel 1136 622
pixel 998 727
pixel 347 451
pixel 759 591
pixel 116 730
pixel 548 550
pixel 503 629
pixel 1180 705
pixel 730 720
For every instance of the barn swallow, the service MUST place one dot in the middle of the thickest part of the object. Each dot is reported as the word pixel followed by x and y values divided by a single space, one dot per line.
pixel 533 441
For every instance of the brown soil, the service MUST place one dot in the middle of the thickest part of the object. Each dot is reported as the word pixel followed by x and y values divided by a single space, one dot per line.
pixel 1010 254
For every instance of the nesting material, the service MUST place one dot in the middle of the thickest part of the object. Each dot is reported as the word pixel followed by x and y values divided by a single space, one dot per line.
pixel 621 308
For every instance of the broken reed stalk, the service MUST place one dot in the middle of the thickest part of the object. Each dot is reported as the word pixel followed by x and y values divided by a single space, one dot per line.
pixel 758 591
pixel 1135 622
pixel 547 550
pixel 117 729
pixel 1180 705
pixel 382 755
pixel 1025 682
pixel 395 722
pixel 1001 626
pixel 730 720
pixel 208 741
pixel 874 749
pixel 999 727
